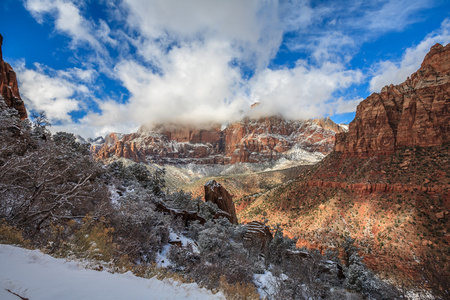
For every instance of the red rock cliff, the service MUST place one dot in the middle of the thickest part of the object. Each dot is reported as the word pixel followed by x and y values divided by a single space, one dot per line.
pixel 9 88
pixel 413 113
pixel 255 141
pixel 267 138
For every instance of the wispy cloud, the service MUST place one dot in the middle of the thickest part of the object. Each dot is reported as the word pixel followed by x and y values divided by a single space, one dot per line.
pixel 302 92
pixel 51 91
pixel 67 19
pixel 337 29
pixel 395 72
pixel 393 15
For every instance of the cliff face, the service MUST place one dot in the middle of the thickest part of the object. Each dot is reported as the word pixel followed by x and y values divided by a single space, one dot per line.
pixel 413 113
pixel 9 88
pixel 261 140
pixel 268 138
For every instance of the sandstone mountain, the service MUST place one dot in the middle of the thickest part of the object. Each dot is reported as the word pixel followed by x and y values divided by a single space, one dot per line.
pixel 414 113
pixel 9 89
pixel 387 183
pixel 247 141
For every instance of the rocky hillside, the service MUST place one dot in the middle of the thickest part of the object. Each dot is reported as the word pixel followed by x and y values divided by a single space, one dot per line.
pixel 387 183
pixel 248 141
pixel 9 89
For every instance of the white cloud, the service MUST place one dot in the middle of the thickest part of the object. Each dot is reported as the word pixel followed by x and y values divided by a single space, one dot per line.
pixel 68 20
pixel 251 28
pixel 395 72
pixel 190 61
pixel 232 19
pixel 50 93
pixel 302 92
pixel 346 106
pixel 198 84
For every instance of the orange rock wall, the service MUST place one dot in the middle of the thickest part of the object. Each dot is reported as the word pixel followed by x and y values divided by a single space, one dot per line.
pixel 413 113
pixel 259 140
pixel 9 87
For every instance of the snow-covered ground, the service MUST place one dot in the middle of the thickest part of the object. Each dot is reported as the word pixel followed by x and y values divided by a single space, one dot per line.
pixel 265 283
pixel 161 258
pixel 34 275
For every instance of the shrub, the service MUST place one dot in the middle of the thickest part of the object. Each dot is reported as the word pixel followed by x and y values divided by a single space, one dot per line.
pixel 279 245
pixel 140 232
pixel 238 291
pixel 94 240
pixel 362 280
pixel 11 235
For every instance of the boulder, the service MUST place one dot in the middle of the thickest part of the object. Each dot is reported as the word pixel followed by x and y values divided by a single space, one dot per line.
pixel 257 235
pixel 217 194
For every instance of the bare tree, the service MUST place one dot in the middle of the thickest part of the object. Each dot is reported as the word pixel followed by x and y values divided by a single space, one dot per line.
pixel 47 185
pixel 40 119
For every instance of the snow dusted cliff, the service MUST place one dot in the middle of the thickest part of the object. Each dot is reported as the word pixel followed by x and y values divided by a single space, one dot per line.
pixel 248 141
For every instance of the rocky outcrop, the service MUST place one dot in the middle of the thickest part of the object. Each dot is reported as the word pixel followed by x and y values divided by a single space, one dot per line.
pixel 185 134
pixel 157 147
pixel 9 87
pixel 96 144
pixel 217 194
pixel 413 113
pixel 186 216
pixel 327 123
pixel 257 235
pixel 261 140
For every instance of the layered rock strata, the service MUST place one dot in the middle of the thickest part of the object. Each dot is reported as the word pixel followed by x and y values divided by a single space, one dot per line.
pixel 253 141
pixel 258 235
pixel 413 113
pixel 9 87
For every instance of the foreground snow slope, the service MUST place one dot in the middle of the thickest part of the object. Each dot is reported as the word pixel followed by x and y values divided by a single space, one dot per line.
pixel 34 275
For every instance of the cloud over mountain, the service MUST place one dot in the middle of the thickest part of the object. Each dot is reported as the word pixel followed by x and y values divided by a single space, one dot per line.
pixel 137 61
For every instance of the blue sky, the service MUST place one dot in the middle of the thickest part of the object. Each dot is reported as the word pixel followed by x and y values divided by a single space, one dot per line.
pixel 109 66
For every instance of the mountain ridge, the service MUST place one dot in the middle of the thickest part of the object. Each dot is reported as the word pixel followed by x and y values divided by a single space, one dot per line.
pixel 247 141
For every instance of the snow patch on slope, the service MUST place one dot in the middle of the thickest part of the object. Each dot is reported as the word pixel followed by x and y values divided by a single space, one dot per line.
pixel 162 259
pixel 34 275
